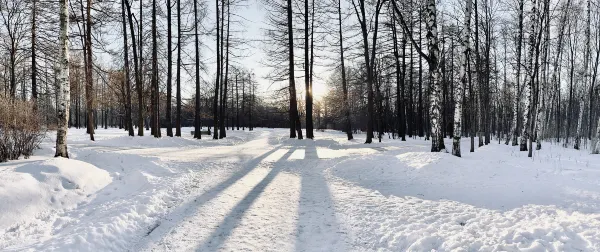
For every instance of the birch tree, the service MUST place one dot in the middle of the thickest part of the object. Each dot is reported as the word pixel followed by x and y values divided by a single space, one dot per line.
pixel 459 89
pixel 432 58
pixel 63 83
pixel 586 66
pixel 515 117
pixel 526 137
pixel 596 143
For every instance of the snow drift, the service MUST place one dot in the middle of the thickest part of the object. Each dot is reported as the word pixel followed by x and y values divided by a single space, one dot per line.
pixel 37 188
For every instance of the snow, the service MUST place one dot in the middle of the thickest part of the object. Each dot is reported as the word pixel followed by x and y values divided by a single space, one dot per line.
pixel 260 191
pixel 54 184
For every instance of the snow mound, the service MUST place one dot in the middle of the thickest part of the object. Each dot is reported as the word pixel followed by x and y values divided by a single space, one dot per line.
pixel 419 160
pixel 36 189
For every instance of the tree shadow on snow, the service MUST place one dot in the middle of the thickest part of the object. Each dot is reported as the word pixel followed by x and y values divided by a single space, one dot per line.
pixel 317 227
pixel 233 218
pixel 164 227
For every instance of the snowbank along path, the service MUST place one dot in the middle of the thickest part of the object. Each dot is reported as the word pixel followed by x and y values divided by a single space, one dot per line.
pixel 260 191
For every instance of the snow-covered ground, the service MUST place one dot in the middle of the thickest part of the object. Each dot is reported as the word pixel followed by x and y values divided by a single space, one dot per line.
pixel 260 191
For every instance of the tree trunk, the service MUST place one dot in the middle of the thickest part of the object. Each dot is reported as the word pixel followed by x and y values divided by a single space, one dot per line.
pixel 225 81
pixel 541 112
pixel 138 73
pixel 169 70
pixel 34 93
pixel 295 126
pixel 178 98
pixel 369 60
pixel 63 84
pixel 526 135
pixel 89 87
pixel 465 42
pixel 197 124
pixel 154 77
pixel 126 83
pixel 348 122
pixel 515 121
pixel 218 81
pixel 237 103
pixel 399 82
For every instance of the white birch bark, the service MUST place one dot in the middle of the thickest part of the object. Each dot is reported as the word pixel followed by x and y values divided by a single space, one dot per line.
pixel 459 89
pixel 541 111
pixel 596 144
pixel 586 62
pixel 437 141
pixel 63 92
pixel 525 136
pixel 513 129
pixel 579 123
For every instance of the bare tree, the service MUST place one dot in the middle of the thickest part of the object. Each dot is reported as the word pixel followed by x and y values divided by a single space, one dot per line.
pixel 432 58
pixel 63 84
pixel 464 75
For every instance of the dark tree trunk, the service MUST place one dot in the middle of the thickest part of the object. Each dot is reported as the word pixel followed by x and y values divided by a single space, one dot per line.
pixel 344 81
pixel 89 87
pixel 295 126
pixel 197 124
pixel 136 67
pixel 223 132
pixel 218 81
pixel 237 103
pixel 178 98
pixel 155 95
pixel 399 81
pixel 169 70
pixel 308 70
pixel 126 83
pixel 34 92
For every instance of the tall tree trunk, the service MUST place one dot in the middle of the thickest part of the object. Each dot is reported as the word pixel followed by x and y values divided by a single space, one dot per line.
pixel 218 81
pixel 570 111
pixel 526 135
pixel 479 80
pixel 348 122
pixel 178 95
pixel 154 80
pixel 295 126
pixel 541 112
pixel 308 69
pixel 432 58
pixel 369 60
pixel 399 82
pixel 142 68
pixel 63 83
pixel 420 109
pixel 223 132
pixel 515 121
pixel 586 75
pixel 89 87
pixel 34 92
pixel 138 73
pixel 197 124
pixel 169 70
pixel 237 102
pixel 126 83
pixel 466 45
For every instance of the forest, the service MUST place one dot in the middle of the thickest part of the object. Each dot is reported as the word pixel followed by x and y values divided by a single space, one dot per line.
pixel 514 70
pixel 299 125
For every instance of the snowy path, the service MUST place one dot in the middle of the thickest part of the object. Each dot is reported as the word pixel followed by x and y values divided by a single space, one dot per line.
pixel 260 191
pixel 266 206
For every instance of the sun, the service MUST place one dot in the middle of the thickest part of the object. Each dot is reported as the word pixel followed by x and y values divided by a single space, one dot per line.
pixel 319 90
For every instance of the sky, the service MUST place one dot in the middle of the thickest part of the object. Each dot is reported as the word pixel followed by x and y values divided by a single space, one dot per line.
pixel 252 17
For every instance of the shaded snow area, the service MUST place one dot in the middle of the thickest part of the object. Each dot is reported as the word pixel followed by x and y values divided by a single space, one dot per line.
pixel 260 191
